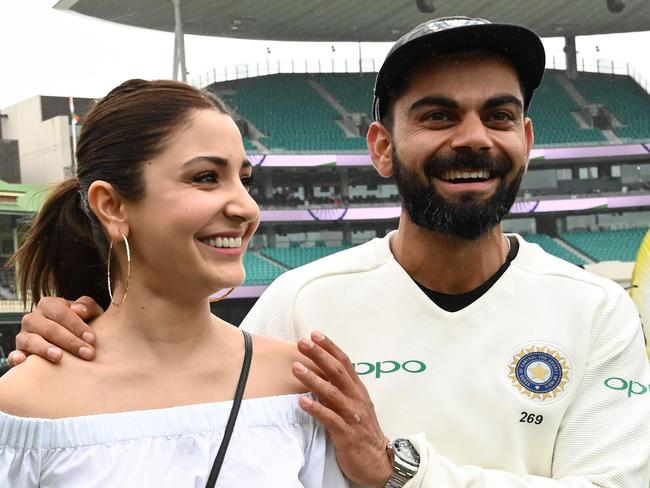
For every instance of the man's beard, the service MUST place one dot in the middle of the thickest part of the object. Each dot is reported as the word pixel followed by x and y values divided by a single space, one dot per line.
pixel 468 218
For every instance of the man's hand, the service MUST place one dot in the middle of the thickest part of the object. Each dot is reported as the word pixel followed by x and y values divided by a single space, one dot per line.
pixel 57 322
pixel 345 410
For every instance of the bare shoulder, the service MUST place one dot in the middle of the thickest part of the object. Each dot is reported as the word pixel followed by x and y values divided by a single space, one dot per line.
pixel 28 390
pixel 271 367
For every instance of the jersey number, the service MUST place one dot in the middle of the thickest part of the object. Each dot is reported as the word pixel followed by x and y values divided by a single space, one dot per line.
pixel 531 418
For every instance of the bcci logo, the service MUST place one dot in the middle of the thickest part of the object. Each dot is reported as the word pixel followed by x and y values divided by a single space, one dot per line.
pixel 539 372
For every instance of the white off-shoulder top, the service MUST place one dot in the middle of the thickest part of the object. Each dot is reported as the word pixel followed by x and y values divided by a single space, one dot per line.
pixel 274 445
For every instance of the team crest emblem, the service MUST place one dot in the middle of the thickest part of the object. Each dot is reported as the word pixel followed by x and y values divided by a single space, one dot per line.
pixel 539 372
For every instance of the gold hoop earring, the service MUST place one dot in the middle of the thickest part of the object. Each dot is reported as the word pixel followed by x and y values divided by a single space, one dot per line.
pixel 128 270
pixel 222 297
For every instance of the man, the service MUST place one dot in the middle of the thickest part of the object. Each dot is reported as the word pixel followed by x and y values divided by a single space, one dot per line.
pixel 490 363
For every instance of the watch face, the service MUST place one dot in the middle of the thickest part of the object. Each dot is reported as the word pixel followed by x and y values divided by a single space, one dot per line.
pixel 405 450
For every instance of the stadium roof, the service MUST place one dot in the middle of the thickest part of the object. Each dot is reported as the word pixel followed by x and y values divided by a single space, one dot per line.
pixel 361 20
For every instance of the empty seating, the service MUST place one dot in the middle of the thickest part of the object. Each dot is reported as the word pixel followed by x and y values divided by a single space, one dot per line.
pixel 260 271
pixel 292 257
pixel 290 112
pixel 607 245
pixel 294 117
pixel 623 97
pixel 552 119
pixel 550 246
pixel 354 90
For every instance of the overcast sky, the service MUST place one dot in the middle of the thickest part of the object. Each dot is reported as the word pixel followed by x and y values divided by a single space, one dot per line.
pixel 49 52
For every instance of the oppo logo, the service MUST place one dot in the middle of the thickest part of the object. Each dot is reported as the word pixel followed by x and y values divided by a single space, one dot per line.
pixel 632 387
pixel 387 367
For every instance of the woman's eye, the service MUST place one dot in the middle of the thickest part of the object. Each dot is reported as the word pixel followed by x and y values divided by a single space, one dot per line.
pixel 206 178
pixel 247 181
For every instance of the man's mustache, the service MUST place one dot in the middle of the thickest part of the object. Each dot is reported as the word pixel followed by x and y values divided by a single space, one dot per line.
pixel 436 166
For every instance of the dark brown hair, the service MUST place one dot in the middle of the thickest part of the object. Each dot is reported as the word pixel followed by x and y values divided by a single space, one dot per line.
pixel 64 251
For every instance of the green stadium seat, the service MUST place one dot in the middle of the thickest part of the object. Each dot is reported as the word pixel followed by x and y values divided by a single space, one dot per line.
pixel 260 271
pixel 354 91
pixel 551 114
pixel 552 247
pixel 623 97
pixel 291 113
pixel 292 257
pixel 607 245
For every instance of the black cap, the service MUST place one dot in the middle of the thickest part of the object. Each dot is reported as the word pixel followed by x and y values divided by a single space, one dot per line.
pixel 521 46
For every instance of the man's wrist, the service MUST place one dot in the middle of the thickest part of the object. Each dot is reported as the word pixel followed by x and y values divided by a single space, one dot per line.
pixel 385 469
pixel 405 461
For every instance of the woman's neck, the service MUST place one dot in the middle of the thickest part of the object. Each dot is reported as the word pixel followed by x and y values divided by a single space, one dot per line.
pixel 155 328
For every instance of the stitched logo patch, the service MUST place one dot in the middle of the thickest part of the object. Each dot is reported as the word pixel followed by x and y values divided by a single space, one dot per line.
pixel 540 372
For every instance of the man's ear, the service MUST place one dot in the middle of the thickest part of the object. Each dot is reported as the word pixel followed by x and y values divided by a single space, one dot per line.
pixel 381 149
pixel 530 138
pixel 107 204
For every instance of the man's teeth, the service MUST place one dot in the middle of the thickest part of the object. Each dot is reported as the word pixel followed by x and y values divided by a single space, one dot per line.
pixel 451 175
pixel 223 242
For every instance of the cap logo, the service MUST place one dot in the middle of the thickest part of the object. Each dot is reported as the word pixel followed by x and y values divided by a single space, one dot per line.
pixel 453 22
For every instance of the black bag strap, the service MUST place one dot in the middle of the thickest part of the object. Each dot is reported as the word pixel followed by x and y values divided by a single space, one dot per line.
pixel 239 394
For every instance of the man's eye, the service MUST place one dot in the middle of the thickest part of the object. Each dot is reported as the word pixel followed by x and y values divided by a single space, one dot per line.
pixel 502 115
pixel 439 117
pixel 206 178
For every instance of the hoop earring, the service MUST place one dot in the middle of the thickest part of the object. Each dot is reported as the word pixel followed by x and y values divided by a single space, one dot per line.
pixel 222 297
pixel 128 270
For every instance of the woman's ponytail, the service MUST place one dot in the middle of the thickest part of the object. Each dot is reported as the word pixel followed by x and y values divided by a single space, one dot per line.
pixel 58 255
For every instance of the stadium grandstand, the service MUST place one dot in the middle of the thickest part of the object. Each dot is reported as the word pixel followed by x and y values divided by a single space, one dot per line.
pixel 585 198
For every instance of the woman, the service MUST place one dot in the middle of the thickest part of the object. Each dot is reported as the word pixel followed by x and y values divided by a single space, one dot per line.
pixel 161 196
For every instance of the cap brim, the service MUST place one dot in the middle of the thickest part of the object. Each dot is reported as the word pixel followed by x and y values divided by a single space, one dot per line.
pixel 521 46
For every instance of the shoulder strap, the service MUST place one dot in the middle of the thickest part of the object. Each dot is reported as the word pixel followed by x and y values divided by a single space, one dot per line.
pixel 239 394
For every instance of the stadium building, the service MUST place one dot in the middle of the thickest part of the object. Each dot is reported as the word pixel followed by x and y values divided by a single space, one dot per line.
pixel 585 198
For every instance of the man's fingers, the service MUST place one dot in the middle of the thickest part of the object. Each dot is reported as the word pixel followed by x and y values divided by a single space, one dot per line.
pixel 328 345
pixel 335 371
pixel 16 357
pixel 86 308
pixel 28 343
pixel 47 334
pixel 325 391
pixel 334 424
pixel 54 314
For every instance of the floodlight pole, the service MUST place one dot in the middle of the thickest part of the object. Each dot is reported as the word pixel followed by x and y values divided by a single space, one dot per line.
pixel 179 43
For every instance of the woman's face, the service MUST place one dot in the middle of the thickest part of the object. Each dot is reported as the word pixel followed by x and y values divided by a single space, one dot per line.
pixel 189 232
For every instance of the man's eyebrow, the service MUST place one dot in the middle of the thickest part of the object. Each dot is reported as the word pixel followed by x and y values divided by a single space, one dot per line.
pixel 433 100
pixel 216 160
pixel 500 100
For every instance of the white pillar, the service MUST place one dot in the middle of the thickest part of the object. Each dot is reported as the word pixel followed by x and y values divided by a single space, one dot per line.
pixel 179 43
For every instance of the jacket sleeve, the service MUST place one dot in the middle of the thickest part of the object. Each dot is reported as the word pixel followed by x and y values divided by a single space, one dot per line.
pixel 604 438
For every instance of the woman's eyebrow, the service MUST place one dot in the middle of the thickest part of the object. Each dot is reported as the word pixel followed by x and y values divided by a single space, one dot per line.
pixel 216 160
pixel 219 161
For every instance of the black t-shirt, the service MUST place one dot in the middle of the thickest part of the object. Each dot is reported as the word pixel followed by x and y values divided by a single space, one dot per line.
pixel 456 302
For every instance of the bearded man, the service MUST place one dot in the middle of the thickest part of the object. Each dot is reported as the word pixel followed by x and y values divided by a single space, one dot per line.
pixel 489 362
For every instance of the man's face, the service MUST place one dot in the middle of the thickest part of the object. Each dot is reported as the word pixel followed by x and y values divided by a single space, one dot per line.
pixel 460 143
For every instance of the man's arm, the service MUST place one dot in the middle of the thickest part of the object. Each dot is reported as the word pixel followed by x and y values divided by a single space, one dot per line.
pixel 57 324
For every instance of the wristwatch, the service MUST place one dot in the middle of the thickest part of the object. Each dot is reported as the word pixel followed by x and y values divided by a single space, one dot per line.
pixel 406 462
